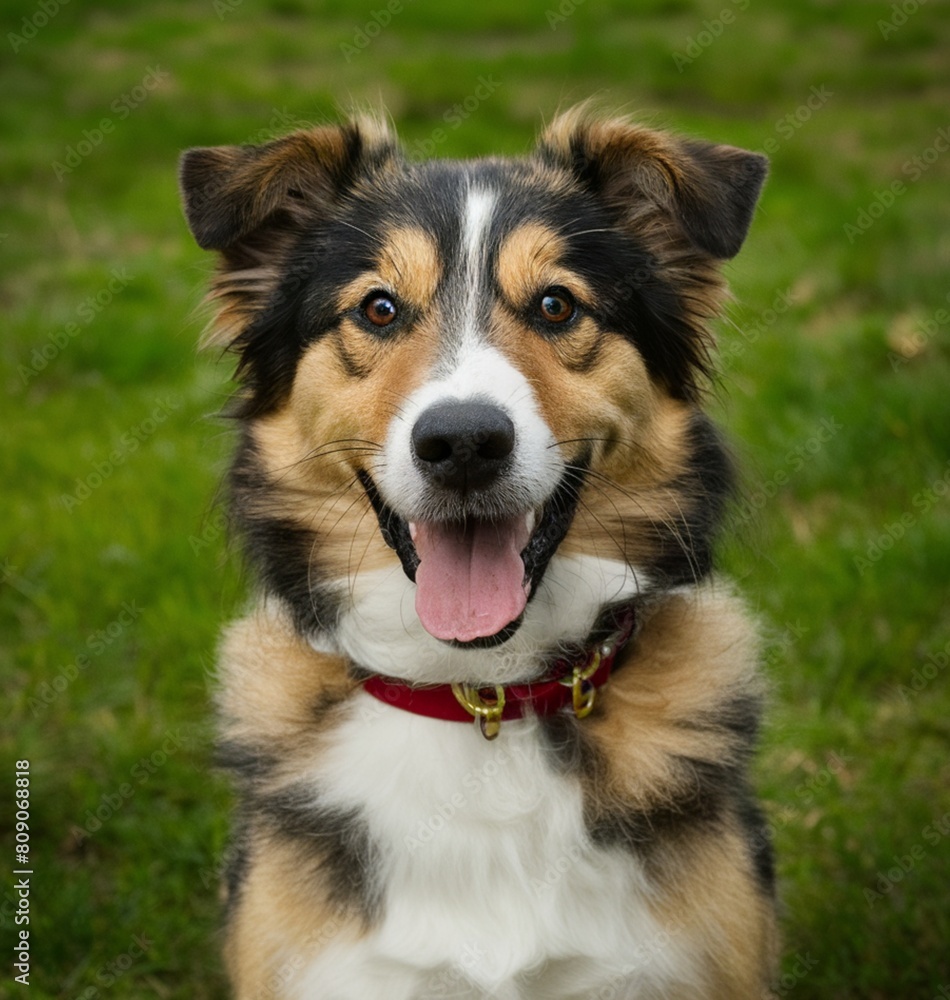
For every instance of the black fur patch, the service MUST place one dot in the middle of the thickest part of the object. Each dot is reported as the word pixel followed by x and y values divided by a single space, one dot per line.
pixel 708 791
pixel 334 843
pixel 248 764
pixel 686 541
pixel 758 840
pixel 393 528
pixel 703 802
pixel 269 348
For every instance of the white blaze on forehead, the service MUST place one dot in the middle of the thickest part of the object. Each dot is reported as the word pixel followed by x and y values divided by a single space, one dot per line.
pixel 479 205
pixel 476 225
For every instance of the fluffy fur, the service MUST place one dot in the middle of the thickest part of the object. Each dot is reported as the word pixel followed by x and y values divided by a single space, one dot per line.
pixel 555 308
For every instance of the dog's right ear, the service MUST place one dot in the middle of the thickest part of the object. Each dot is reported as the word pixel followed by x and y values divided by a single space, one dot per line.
pixel 232 192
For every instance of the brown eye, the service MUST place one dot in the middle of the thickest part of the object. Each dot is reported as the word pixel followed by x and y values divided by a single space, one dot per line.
pixel 379 309
pixel 557 305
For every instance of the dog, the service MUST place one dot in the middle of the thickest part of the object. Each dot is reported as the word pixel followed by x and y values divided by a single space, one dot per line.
pixel 490 720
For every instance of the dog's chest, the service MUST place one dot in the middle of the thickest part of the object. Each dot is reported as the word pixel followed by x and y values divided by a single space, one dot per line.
pixel 490 884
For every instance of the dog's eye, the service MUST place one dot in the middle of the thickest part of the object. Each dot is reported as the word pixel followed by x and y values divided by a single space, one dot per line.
pixel 379 309
pixel 557 305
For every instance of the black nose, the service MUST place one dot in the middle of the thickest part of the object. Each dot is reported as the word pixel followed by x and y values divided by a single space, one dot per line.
pixel 463 445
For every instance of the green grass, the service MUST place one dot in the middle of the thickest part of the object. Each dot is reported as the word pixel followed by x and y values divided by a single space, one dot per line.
pixel 111 459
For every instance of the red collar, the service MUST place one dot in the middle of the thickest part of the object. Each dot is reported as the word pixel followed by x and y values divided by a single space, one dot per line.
pixel 573 682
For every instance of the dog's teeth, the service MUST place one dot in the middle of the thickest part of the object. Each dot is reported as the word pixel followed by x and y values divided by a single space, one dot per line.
pixel 412 530
pixel 529 521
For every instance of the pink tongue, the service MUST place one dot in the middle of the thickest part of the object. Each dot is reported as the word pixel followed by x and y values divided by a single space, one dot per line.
pixel 470 580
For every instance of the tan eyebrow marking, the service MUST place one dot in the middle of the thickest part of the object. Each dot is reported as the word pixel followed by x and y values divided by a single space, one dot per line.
pixel 530 261
pixel 408 265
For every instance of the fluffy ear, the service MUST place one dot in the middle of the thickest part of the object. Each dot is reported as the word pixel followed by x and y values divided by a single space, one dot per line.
pixel 230 192
pixel 709 190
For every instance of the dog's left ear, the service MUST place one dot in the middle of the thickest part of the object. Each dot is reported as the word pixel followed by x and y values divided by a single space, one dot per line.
pixel 710 191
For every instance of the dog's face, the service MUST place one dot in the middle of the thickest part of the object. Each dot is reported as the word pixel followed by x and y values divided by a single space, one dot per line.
pixel 464 384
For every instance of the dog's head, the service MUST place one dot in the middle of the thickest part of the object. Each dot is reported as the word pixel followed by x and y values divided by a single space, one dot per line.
pixel 464 374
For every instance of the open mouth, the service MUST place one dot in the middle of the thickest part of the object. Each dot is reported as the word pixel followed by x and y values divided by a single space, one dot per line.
pixel 475 577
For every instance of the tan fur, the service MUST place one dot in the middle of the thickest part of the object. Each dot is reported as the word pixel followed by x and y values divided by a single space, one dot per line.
pixel 279 925
pixel 271 680
pixel 608 402
pixel 332 425
pixel 529 261
pixel 692 656
pixel 408 264
pixel 707 893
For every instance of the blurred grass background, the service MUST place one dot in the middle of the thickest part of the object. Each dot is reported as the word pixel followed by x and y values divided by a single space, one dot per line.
pixel 835 387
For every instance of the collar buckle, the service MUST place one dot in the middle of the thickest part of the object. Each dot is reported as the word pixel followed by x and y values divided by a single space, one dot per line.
pixel 487 714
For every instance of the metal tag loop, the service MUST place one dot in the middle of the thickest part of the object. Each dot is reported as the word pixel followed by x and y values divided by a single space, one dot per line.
pixel 583 692
pixel 487 714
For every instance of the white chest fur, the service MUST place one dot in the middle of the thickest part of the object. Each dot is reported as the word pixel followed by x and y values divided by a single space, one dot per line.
pixel 491 886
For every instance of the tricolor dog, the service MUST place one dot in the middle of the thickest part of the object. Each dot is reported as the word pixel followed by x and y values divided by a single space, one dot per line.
pixel 491 717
